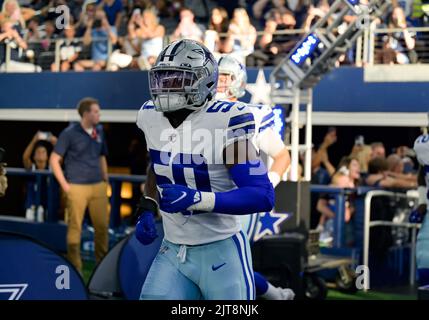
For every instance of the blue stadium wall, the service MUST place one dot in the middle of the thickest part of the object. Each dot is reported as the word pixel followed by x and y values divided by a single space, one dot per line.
pixel 343 91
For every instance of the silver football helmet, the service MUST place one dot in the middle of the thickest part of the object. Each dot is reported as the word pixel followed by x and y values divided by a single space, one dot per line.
pixel 237 88
pixel 183 77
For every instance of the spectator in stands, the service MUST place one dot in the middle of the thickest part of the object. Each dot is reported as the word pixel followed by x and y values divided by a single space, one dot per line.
pixel 18 16
pixel 321 175
pixel 10 37
pixel 114 12
pixel 261 9
pixel 201 9
pixel 395 166
pixel 98 33
pixel 88 14
pixel 316 13
pixel 48 36
pixel 321 172
pixel 404 42
pixel 215 35
pixel 406 154
pixel 352 165
pixel 187 28
pixel 241 35
pixel 150 33
pixel 379 176
pixel 33 33
pixel 131 44
pixel 326 205
pixel 377 150
pixel 362 152
pixel 386 55
pixel 36 157
pixel 70 49
pixel 277 46
pixel 82 148
pixel 419 14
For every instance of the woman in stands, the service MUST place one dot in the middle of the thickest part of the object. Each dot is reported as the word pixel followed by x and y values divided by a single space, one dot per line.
pixel 215 36
pixel 241 35
pixel 36 157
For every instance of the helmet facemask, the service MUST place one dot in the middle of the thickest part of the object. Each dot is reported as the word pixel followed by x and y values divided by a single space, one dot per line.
pixel 184 77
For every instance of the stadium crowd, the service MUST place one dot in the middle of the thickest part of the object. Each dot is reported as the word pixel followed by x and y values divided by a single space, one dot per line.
pixel 115 34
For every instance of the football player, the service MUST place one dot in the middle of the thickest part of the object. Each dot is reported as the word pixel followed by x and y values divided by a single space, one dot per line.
pixel 231 86
pixel 207 173
pixel 421 147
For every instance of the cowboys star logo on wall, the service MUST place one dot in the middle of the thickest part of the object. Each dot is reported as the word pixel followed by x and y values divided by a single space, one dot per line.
pixel 12 291
pixel 269 224
pixel 260 90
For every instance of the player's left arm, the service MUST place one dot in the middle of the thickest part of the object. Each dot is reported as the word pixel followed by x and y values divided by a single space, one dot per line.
pixel 271 144
pixel 254 192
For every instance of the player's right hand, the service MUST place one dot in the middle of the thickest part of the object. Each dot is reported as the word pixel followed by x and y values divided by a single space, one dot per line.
pixel 146 229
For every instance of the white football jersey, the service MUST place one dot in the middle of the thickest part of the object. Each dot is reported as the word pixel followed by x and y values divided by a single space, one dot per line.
pixel 264 119
pixel 421 147
pixel 192 155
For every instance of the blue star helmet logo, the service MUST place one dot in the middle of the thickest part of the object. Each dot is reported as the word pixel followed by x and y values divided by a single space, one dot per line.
pixel 269 224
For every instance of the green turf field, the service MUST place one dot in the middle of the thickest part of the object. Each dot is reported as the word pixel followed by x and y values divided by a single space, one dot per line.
pixel 370 295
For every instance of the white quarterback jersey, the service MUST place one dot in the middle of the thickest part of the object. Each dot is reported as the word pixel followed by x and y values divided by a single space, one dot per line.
pixel 192 155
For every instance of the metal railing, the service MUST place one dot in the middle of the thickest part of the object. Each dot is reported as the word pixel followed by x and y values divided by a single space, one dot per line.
pixel 53 52
pixel 43 58
pixel 339 195
pixel 368 224
pixel 380 45
pixel 368 50
pixel 115 181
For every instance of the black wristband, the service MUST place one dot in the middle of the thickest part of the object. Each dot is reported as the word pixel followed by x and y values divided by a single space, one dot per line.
pixel 146 203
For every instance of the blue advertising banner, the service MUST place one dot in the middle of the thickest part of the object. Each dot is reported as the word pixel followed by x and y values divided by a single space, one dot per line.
pixel 31 271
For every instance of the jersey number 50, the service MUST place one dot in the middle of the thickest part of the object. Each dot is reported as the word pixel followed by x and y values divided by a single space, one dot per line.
pixel 178 169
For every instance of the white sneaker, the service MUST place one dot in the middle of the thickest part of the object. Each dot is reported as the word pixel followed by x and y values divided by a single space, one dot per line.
pixel 286 293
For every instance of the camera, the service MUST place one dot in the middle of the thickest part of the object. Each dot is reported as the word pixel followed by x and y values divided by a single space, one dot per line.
pixel 97 24
pixel 359 141
pixel 45 136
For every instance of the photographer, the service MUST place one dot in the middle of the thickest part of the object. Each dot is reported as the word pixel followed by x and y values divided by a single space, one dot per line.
pixel 36 157
pixel 98 32
pixel 275 42
pixel 9 36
